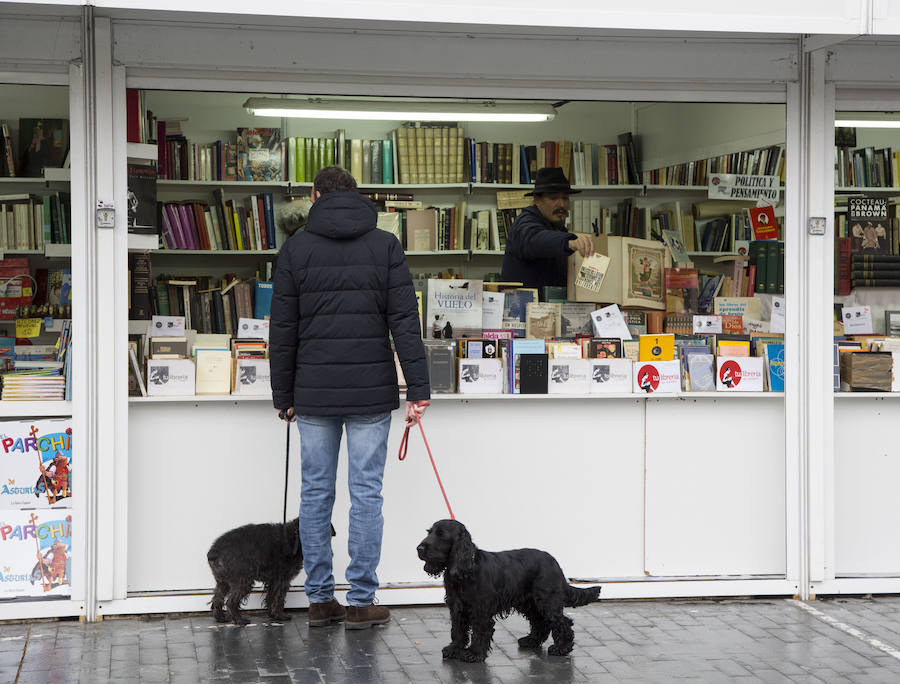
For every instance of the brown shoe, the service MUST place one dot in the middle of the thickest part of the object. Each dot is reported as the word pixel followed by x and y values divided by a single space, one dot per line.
pixel 323 614
pixel 360 617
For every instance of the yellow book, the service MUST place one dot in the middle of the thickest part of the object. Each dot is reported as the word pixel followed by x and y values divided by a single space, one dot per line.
pixel 237 229
pixel 403 155
pixel 657 347
pixel 733 348
pixel 356 160
pixel 213 374
pixel 429 145
pixel 421 158
pixel 413 145
pixel 452 151
pixel 460 155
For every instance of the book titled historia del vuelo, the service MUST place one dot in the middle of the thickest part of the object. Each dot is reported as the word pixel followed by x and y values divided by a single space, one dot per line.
pixel 454 308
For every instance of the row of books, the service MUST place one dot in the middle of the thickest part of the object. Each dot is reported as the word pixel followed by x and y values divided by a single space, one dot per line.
pixel 29 222
pixel 538 366
pixel 866 167
pixel 229 224
pixel 446 228
pixel 767 161
pixel 209 364
pixel 866 364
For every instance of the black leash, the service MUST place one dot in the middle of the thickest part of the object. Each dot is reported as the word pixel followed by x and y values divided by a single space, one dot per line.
pixel 288 544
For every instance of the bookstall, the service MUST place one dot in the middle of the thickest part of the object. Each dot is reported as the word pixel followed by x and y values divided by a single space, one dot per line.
pixel 678 491
pixel 853 536
pixel 622 469
pixel 46 469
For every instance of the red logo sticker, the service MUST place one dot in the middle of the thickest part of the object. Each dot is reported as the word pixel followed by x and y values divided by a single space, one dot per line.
pixel 730 374
pixel 648 378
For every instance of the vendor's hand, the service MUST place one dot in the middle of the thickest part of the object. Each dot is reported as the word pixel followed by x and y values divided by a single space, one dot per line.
pixel 287 414
pixel 583 244
pixel 415 410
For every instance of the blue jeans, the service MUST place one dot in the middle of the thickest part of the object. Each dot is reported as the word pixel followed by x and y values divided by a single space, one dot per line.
pixel 320 441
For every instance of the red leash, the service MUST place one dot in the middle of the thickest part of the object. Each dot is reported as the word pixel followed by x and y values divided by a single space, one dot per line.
pixel 404 445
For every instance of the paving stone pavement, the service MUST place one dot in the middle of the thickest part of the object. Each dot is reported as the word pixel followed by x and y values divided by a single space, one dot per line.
pixel 762 640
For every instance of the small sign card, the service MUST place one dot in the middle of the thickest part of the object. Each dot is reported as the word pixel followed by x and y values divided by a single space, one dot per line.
pixel 776 324
pixel 253 327
pixel 593 270
pixel 170 377
pixel 568 376
pixel 657 377
pixel 609 322
pixel 611 376
pixel 707 325
pixel 739 374
pixel 167 326
pixel 857 320
pixel 480 376
pixel 252 377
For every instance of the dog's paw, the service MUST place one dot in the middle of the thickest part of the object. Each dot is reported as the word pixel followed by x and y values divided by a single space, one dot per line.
pixel 529 642
pixel 281 617
pixel 450 652
pixel 220 616
pixel 555 650
pixel 467 655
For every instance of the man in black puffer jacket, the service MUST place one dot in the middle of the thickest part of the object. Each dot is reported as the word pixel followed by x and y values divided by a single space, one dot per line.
pixel 342 289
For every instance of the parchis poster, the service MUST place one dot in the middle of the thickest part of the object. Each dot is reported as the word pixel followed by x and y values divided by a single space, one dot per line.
pixel 35 553
pixel 36 464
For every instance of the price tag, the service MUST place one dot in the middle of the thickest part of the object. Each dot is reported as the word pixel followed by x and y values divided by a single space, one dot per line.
pixel 253 327
pixel 707 325
pixel 592 271
pixel 857 320
pixel 776 323
pixel 28 327
pixel 609 322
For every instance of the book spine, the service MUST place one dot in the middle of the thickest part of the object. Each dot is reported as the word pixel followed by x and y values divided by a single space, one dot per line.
pixel 387 162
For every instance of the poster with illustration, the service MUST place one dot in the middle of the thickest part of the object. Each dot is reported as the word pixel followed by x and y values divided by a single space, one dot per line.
pixel 35 553
pixel 36 463
pixel 644 285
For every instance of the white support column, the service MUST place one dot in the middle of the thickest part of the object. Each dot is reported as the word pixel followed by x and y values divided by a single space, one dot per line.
pixel 817 272
pixel 105 281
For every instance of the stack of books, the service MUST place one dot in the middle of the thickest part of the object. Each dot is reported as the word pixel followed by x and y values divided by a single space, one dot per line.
pixel 33 385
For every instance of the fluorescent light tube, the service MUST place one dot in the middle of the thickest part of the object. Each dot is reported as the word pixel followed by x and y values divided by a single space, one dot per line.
pixel 882 123
pixel 399 111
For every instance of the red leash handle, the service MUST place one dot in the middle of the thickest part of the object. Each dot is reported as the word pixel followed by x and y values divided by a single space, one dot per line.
pixel 404 446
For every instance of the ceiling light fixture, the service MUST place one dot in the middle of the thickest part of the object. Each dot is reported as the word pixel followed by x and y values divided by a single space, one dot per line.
pixel 860 123
pixel 317 108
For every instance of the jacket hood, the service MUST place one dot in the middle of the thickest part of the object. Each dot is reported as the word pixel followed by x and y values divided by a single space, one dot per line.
pixel 342 216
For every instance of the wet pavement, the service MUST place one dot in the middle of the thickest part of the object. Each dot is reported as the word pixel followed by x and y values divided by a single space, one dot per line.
pixel 766 640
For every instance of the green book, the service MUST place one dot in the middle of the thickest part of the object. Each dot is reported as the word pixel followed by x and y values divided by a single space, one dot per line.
pixel 387 162
pixel 47 222
pixel 772 254
pixel 329 152
pixel 308 156
pixel 758 258
pixel 300 170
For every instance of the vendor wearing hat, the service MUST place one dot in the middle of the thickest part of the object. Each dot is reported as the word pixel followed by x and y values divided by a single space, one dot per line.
pixel 538 245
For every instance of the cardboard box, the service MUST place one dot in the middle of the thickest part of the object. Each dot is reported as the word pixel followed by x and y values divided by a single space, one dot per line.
pixel 866 371
pixel 636 275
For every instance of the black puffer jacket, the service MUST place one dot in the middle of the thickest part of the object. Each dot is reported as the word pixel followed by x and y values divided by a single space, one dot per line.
pixel 340 287
pixel 537 254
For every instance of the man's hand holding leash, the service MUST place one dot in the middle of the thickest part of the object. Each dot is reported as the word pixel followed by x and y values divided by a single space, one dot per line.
pixel 415 410
pixel 287 414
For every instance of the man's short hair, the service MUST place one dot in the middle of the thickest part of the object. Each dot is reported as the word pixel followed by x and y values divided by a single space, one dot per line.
pixel 334 179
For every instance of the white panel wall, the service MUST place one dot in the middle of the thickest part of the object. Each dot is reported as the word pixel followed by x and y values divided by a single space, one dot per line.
pixel 800 16
pixel 715 496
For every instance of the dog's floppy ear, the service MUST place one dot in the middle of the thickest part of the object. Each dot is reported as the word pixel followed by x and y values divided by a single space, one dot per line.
pixel 462 555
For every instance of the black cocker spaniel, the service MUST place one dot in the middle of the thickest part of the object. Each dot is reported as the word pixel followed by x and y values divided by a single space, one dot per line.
pixel 483 585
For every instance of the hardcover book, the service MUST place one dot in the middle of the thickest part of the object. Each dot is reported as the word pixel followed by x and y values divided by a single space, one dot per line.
pixel 773 358
pixel 454 308
pixel 605 348
pixel 575 318
pixel 514 312
pixel 441 355
pixel 657 347
pixel 259 154
pixel 869 225
pixel 142 199
pixel 763 223
pixel 542 320
pixel 533 370
pixel 569 376
pixel 611 376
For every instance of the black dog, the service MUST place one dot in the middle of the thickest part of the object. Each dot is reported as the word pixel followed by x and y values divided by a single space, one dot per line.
pixel 268 553
pixel 482 585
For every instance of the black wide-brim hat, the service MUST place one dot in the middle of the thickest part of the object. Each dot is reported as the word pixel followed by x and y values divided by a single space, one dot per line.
pixel 551 179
